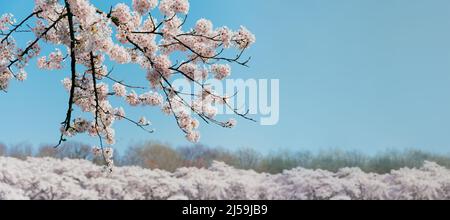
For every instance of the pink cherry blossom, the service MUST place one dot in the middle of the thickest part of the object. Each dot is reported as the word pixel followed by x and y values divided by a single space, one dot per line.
pixel 151 98
pixel 203 26
pixel 5 21
pixel 119 90
pixel 54 61
pixel 221 71
pixel 170 7
pixel 143 6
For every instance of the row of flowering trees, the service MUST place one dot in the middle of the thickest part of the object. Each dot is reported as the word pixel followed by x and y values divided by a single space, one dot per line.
pixel 84 37
pixel 45 178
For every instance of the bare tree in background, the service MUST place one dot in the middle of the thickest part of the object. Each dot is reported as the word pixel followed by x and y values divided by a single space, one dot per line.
pixel 72 150
pixel 3 150
pixel 20 151
pixel 154 156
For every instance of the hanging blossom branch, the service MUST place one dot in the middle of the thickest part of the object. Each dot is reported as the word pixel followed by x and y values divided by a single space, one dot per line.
pixel 86 33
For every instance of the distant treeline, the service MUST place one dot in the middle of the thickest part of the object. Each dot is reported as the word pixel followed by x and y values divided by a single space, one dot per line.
pixel 161 156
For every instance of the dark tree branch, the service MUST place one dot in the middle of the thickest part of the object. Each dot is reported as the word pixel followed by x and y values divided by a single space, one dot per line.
pixel 73 70
pixel 97 105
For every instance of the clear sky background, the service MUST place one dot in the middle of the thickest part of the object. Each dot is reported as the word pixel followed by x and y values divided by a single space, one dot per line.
pixel 354 74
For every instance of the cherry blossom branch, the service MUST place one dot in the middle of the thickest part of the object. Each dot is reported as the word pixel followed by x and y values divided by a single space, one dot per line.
pixel 31 45
pixel 203 116
pixel 121 82
pixel 143 127
pixel 16 27
pixel 172 109
pixel 88 34
pixel 215 57
pixel 163 77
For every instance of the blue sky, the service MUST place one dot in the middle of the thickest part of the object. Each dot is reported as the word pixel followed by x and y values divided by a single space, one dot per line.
pixel 354 74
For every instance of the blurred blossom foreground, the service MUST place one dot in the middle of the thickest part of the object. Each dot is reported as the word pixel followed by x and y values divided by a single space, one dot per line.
pixel 46 178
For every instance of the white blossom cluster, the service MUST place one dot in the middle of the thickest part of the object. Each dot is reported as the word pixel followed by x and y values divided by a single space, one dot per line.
pixel 45 178
pixel 127 34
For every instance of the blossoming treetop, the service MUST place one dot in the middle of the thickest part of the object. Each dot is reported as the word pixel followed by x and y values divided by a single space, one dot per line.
pixel 87 33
